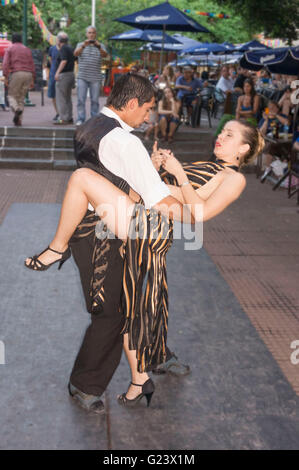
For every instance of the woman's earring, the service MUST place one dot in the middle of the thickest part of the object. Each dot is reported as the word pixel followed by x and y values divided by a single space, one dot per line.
pixel 238 158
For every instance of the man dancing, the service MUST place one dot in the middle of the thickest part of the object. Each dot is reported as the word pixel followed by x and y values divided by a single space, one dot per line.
pixel 104 143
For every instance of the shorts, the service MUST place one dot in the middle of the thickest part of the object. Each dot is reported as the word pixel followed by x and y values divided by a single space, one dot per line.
pixel 51 88
pixel 169 118
pixel 188 99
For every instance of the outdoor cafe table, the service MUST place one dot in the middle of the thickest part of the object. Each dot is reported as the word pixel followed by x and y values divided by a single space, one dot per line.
pixel 285 143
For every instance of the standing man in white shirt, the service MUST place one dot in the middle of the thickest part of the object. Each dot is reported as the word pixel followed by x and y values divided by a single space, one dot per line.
pixel 105 144
pixel 225 83
pixel 89 53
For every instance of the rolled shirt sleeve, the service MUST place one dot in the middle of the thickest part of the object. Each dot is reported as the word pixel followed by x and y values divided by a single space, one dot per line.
pixel 125 156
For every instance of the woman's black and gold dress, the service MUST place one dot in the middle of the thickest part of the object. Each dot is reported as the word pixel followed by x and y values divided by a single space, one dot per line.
pixel 145 299
pixel 145 292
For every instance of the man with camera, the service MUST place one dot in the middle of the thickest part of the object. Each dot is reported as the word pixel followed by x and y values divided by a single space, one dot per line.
pixel 89 53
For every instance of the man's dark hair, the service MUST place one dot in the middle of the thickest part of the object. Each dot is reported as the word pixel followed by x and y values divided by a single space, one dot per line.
pixel 16 37
pixel 128 87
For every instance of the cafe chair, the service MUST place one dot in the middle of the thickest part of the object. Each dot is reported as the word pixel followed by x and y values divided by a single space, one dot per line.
pixel 204 101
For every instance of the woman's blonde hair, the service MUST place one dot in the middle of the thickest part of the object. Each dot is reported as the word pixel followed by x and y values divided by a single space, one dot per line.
pixel 252 137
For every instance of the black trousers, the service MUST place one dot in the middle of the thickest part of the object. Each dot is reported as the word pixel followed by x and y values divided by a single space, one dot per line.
pixel 101 349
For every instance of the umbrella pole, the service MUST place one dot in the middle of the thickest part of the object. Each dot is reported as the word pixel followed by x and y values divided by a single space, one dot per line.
pixel 162 50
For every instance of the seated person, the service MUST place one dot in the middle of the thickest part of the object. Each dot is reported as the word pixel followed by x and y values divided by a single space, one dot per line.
pixel 166 79
pixel 225 83
pixel 264 80
pixel 241 77
pixel 248 103
pixel 278 81
pixel 168 111
pixel 187 87
pixel 247 107
pixel 285 102
pixel 272 118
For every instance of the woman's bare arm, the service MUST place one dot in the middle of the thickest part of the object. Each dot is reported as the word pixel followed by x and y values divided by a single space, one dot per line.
pixel 227 191
pixel 239 103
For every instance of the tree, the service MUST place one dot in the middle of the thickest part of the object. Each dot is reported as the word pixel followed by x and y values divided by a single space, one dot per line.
pixel 246 18
pixel 277 18
pixel 11 19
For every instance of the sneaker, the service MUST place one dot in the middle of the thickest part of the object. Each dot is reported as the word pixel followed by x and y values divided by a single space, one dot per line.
pixel 55 118
pixel 173 366
pixel 79 123
pixel 266 174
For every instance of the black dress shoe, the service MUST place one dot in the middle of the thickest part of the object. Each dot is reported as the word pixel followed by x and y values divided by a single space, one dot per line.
pixel 173 367
pixel 88 402
pixel 17 118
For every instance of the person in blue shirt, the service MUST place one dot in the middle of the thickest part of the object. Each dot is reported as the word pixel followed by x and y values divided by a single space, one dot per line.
pixel 187 87
pixel 272 118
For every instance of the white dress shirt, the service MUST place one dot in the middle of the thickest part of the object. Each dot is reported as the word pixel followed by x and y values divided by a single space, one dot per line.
pixel 124 155
pixel 225 84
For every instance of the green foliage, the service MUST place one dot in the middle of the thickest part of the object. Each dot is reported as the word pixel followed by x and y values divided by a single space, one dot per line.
pixel 247 17
pixel 277 18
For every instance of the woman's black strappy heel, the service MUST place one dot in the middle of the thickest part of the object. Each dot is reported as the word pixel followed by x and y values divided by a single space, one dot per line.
pixel 37 265
pixel 148 389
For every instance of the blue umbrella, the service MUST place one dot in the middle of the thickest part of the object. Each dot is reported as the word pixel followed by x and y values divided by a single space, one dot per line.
pixel 163 16
pixel 284 60
pixel 184 42
pixel 204 48
pixel 229 48
pixel 184 63
pixel 145 35
pixel 250 46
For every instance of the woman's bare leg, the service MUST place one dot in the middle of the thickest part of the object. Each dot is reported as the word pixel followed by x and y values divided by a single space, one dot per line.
pixel 163 126
pixel 110 202
pixel 172 128
pixel 136 377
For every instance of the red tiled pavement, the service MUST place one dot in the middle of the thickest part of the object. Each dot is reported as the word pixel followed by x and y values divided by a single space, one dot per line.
pixel 255 245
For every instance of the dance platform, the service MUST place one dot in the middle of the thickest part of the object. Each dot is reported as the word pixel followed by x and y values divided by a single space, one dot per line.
pixel 236 396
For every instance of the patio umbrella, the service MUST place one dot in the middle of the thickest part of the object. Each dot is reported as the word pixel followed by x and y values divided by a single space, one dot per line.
pixel 229 48
pixel 204 48
pixel 250 46
pixel 284 60
pixel 184 63
pixel 148 35
pixel 4 44
pixel 165 17
pixel 184 42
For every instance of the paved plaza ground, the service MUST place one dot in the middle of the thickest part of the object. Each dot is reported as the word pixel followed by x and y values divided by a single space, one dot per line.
pixel 234 312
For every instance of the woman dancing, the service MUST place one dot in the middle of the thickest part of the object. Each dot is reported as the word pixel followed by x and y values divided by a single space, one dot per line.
pixel 213 185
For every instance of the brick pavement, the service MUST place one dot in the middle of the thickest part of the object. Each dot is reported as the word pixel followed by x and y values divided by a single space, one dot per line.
pixel 254 244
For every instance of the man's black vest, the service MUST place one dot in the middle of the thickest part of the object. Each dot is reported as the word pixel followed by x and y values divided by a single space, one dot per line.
pixel 86 144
